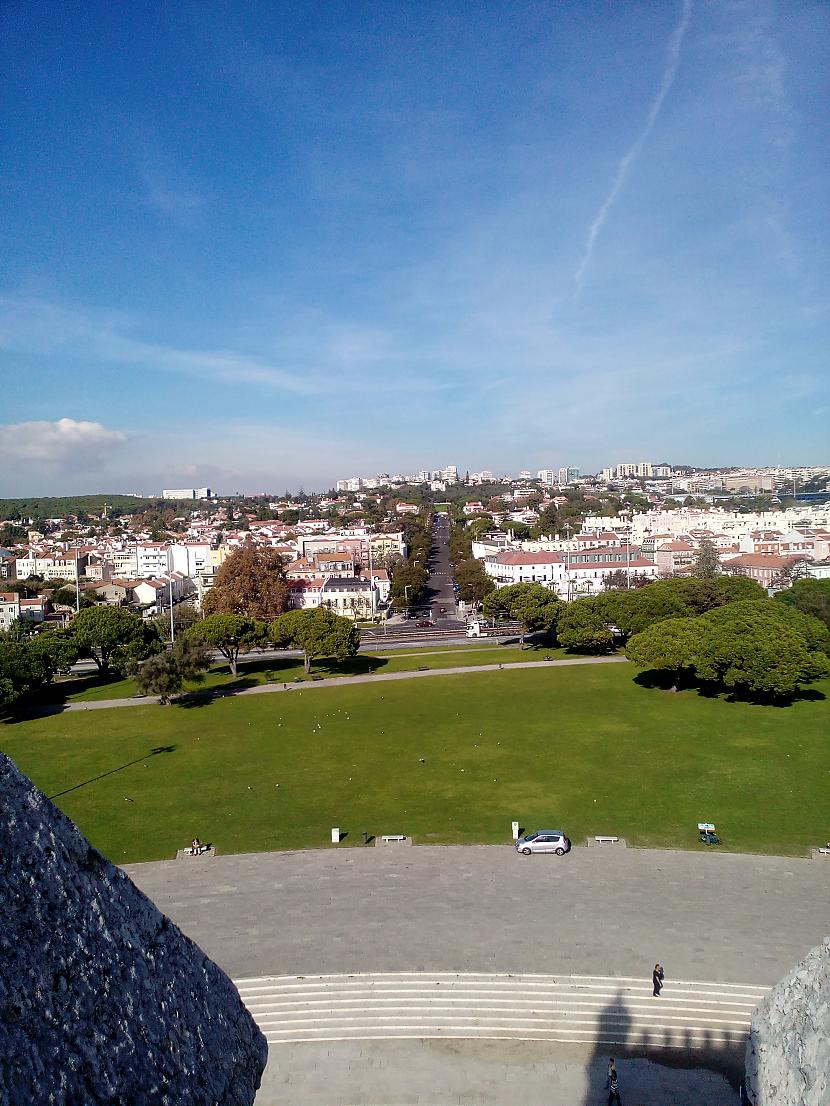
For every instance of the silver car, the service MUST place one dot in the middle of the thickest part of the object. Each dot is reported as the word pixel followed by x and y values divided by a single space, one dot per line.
pixel 544 841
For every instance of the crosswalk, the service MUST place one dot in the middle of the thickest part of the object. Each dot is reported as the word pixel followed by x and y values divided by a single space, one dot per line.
pixel 578 1009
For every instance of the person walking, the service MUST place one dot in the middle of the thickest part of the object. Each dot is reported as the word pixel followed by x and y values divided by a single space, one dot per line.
pixel 613 1086
pixel 657 977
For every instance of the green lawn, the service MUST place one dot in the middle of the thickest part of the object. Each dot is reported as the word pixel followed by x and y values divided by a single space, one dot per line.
pixel 253 671
pixel 584 748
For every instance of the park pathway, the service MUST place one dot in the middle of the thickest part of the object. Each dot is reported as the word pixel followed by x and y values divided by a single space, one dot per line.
pixel 333 681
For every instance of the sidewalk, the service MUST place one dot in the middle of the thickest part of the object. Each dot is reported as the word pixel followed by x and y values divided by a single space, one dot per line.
pixel 332 681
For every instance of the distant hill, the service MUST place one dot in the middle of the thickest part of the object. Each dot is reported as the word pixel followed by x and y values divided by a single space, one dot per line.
pixel 61 506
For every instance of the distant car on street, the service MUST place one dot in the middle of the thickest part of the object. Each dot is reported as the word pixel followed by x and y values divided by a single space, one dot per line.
pixel 423 624
pixel 544 841
pixel 442 610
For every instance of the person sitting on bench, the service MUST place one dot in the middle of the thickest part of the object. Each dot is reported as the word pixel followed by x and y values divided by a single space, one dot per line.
pixel 196 847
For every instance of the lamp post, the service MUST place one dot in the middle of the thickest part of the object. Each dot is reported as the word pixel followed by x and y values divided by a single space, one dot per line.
pixel 627 517
pixel 172 626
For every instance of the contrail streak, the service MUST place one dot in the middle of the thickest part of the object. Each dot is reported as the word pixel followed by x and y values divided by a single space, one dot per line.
pixel 672 62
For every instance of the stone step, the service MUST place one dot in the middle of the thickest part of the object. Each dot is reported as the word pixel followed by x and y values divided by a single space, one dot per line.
pixel 612 1010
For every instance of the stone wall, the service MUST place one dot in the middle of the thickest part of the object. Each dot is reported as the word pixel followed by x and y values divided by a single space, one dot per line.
pixel 788 1053
pixel 102 998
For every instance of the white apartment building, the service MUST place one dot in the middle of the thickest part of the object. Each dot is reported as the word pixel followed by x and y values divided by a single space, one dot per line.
pixel 687 520
pixel 568 574
pixel 124 563
pixel 151 559
pixel 191 558
pixel 186 493
pixel 636 470
pixel 52 566
pixel 547 477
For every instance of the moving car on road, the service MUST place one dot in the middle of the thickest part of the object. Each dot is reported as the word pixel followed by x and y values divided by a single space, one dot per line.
pixel 544 841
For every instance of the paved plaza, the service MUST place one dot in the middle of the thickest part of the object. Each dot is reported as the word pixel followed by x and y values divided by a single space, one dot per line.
pixel 483 908
pixel 603 911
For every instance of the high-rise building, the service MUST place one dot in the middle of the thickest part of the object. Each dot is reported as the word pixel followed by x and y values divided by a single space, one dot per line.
pixel 546 476
pixel 566 475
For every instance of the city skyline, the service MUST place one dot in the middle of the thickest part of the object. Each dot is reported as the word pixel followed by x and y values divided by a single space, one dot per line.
pixel 270 248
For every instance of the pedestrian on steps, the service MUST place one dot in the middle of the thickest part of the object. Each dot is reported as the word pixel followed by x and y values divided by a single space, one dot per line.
pixel 657 977
pixel 613 1087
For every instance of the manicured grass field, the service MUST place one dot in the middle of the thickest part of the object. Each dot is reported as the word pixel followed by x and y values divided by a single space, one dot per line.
pixel 254 671
pixel 582 748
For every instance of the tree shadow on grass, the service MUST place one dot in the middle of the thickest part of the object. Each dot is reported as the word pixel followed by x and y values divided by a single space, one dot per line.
pixel 103 775
pixel 361 665
pixel 660 680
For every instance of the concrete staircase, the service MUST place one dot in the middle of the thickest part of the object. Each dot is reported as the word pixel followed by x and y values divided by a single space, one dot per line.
pixel 578 1009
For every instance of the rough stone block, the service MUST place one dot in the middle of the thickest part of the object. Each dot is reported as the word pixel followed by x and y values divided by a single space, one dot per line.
pixel 102 998
pixel 788 1052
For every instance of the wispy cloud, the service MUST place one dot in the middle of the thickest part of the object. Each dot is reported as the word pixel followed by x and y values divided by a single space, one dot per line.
pixel 36 326
pixel 631 155
pixel 167 196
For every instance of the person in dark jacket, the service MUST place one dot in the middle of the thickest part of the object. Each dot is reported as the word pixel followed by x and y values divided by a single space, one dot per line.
pixel 613 1087
pixel 657 977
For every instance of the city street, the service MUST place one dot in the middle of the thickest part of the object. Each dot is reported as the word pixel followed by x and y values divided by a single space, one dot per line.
pixel 439 590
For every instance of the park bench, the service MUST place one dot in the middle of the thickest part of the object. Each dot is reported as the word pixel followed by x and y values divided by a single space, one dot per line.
pixel 606 838
pixel 423 668
pixel 386 838
pixel 188 853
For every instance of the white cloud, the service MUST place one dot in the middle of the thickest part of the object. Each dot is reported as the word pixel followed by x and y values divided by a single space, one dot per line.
pixel 83 443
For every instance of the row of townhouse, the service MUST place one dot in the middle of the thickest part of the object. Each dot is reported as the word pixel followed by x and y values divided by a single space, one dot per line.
pixel 686 520
pixel 12 607
pixel 52 564
pixel 768 569
pixel 337 581
pixel 567 573
pixel 154 593
pixel 361 543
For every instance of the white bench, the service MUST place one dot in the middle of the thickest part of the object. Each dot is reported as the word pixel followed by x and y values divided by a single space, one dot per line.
pixel 606 839
pixel 388 837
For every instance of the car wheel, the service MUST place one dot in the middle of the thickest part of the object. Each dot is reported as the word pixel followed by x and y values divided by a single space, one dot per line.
pixel 526 852
pixel 560 852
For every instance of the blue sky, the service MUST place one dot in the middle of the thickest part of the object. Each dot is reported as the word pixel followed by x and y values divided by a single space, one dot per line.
pixel 259 246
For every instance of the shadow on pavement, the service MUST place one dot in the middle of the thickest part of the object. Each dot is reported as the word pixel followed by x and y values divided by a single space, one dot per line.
pixel 619 1039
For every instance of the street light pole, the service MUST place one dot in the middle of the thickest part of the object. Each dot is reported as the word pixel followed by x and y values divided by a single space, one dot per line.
pixel 172 627
pixel 628 551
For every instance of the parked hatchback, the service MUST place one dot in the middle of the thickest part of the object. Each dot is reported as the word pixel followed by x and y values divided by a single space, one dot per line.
pixel 544 841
